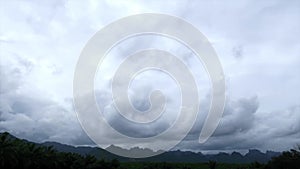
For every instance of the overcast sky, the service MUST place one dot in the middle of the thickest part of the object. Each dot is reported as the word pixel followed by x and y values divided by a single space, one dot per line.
pixel 257 43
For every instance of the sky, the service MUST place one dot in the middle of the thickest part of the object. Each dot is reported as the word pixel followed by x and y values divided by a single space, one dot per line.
pixel 257 43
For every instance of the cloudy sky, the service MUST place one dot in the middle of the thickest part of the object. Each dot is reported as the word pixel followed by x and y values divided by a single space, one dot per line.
pixel 257 43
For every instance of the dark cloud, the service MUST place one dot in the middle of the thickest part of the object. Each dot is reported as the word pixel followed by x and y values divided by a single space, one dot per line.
pixel 46 39
pixel 244 127
pixel 238 117
pixel 31 113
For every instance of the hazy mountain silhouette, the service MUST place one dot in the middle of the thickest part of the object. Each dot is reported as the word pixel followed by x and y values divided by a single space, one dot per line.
pixel 170 156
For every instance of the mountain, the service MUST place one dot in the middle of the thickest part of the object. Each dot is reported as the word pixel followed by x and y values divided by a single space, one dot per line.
pixel 84 150
pixel 170 156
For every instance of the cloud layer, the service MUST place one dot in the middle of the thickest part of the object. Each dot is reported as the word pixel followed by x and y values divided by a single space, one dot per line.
pixel 257 43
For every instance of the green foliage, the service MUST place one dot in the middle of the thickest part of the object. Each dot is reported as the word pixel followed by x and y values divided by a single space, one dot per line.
pixel 18 154
pixel 287 160
pixel 212 164
pixel 256 165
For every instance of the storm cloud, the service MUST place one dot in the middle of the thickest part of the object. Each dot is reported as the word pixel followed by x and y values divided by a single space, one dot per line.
pixel 257 43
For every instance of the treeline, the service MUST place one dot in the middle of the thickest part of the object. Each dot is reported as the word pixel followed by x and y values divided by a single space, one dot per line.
pixel 20 154
pixel 287 160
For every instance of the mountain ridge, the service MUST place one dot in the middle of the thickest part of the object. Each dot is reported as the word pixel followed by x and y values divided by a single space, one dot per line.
pixel 253 155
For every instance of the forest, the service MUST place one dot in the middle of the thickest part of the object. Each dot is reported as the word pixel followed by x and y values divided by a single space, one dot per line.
pixel 17 154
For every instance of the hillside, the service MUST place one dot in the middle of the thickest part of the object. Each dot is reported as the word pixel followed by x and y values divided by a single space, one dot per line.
pixel 171 156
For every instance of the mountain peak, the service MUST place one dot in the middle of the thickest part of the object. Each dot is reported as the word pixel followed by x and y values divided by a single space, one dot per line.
pixel 170 156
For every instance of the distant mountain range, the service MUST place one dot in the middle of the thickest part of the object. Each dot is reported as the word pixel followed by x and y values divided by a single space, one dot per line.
pixel 170 156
